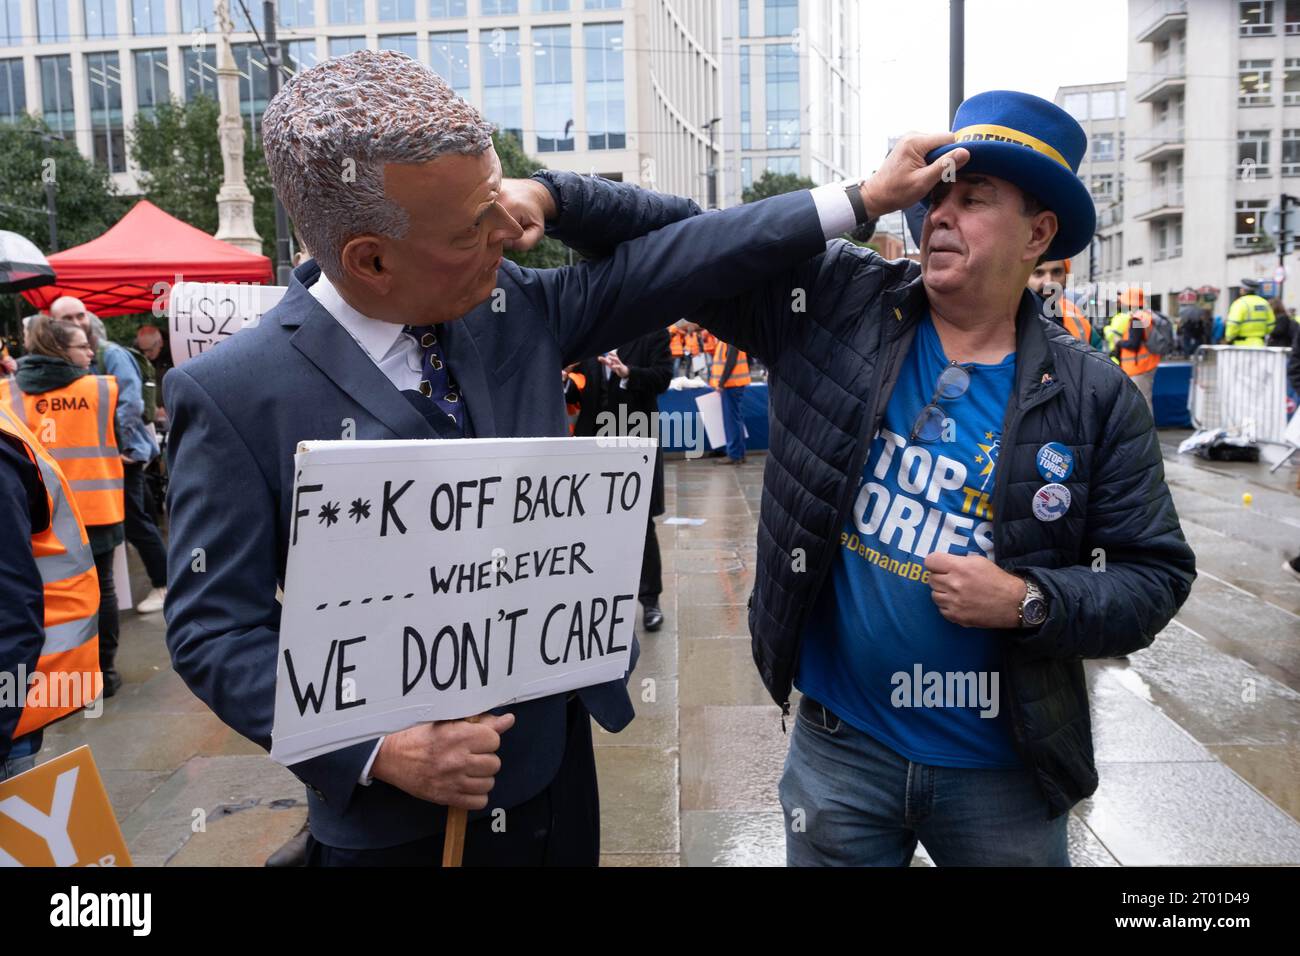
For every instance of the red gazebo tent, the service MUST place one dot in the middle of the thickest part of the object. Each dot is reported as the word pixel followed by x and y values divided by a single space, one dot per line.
pixel 117 273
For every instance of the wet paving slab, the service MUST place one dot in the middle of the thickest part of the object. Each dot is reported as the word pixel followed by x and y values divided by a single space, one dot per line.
pixel 1197 737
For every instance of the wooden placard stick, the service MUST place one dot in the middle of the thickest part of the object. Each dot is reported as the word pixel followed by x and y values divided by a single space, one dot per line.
pixel 453 840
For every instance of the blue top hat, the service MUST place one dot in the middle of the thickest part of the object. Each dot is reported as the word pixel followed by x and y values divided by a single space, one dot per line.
pixel 1037 146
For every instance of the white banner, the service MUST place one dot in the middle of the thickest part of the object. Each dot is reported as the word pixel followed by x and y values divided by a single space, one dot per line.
pixel 202 314
pixel 434 580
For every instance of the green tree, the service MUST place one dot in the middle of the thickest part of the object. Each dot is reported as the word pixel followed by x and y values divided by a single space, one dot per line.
pixel 85 201
pixel 775 184
pixel 179 155
pixel 516 164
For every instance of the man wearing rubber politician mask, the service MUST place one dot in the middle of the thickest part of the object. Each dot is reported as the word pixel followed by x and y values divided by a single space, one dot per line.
pixel 961 504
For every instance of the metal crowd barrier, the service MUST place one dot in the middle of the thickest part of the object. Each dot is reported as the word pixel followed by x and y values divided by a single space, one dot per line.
pixel 1240 388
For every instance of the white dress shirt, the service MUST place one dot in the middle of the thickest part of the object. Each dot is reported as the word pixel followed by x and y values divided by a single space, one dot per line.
pixel 399 355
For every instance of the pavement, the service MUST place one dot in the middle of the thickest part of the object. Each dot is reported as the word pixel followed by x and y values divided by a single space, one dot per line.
pixel 1197 737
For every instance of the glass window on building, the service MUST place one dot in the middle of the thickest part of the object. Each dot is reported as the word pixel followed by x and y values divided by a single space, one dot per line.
pixel 197 15
pixel 1252 154
pixel 449 57
pixel 52 25
pixel 746 173
pixel 11 23
pixel 503 101
pixel 746 97
pixel 347 11
pixel 1248 230
pixel 606 110
pixel 200 69
pixel 1103 105
pixel 550 6
pixel 1292 17
pixel 442 9
pixel 494 8
pixel 242 22
pixel 782 78
pixel 553 89
pixel 402 43
pixel 1103 186
pixel 780 17
pixel 297 13
pixel 1166 240
pixel 56 93
pixel 604 5
pixel 1291 152
pixel 104 78
pixel 148 18
pixel 1255 17
pixel 299 55
pixel 1254 82
pixel 100 19
pixel 342 46
pixel 783 165
pixel 1076 104
pixel 1291 82
pixel 744 17
pixel 13 93
pixel 1103 147
pixel 152 80
pixel 396 10
pixel 254 84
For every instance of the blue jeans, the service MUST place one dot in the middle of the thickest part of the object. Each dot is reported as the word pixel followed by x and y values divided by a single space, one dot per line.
pixel 733 421
pixel 851 801
pixel 22 757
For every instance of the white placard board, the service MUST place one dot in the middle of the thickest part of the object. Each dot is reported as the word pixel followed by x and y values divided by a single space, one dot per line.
pixel 203 314
pixel 715 430
pixel 434 580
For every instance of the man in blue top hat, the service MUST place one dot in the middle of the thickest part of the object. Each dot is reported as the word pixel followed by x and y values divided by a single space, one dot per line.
pixel 961 504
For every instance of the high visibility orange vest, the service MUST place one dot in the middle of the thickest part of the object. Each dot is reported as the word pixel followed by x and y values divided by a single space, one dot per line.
pixel 676 340
pixel 1075 322
pixel 1139 361
pixel 739 374
pixel 572 409
pixel 75 423
pixel 69 658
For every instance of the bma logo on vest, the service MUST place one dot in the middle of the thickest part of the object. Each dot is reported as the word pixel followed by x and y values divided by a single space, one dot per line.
pixel 64 404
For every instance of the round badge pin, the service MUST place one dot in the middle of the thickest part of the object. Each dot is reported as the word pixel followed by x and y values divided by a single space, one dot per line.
pixel 1055 462
pixel 1051 502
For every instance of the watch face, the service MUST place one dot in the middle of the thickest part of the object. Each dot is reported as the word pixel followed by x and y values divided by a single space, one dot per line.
pixel 1035 611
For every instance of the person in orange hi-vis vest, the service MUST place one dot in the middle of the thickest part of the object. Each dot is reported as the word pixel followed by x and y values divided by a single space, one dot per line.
pixel 1048 280
pixel 730 375
pixel 49 597
pixel 72 414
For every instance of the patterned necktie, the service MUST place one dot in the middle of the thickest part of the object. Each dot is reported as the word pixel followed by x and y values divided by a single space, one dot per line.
pixel 436 383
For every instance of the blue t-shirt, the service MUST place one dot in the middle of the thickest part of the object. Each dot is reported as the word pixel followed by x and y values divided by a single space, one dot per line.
pixel 876 650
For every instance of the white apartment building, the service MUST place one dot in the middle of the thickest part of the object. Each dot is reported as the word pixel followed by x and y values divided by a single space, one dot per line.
pixel 1100 109
pixel 1213 139
pixel 791 70
pixel 622 88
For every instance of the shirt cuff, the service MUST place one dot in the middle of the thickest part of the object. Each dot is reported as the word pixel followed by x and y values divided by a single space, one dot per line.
pixel 834 209
pixel 622 383
pixel 366 779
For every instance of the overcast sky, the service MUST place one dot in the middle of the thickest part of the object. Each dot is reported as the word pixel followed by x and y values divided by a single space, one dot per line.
pixel 1030 45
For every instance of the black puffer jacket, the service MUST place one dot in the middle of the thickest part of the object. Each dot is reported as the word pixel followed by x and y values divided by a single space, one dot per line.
pixel 1116 567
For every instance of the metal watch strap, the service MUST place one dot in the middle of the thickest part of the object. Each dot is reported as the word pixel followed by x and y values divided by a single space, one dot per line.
pixel 1032 591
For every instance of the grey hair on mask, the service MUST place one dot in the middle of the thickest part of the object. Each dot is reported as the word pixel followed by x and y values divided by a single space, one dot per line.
pixel 330 130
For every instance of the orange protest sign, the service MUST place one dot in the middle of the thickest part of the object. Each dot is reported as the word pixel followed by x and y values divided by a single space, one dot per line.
pixel 58 814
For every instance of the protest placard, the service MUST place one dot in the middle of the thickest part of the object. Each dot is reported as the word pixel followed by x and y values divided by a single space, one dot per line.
pixel 435 580
pixel 58 814
pixel 203 314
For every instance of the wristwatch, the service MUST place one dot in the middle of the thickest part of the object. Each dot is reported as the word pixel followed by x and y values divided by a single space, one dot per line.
pixel 1033 609
pixel 866 226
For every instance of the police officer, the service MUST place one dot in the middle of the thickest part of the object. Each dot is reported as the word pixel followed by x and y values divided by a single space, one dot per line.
pixel 1250 317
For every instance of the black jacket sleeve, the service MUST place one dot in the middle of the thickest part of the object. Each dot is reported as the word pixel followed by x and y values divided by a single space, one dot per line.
pixel 652 377
pixel 1140 568
pixel 595 214
pixel 1293 363
pixel 22 597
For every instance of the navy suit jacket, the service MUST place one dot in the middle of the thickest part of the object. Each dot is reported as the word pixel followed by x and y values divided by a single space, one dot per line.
pixel 239 411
